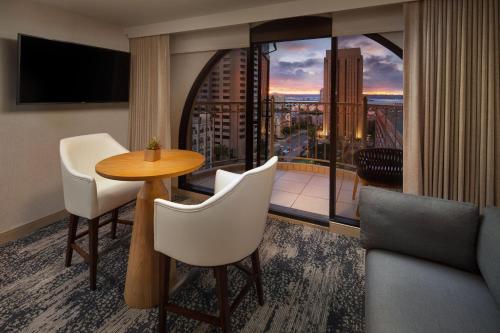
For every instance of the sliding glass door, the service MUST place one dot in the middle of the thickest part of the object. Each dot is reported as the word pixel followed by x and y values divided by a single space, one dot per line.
pixel 290 100
pixel 329 107
pixel 369 119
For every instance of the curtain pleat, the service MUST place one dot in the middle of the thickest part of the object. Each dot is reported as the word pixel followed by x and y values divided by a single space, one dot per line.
pixel 452 50
pixel 149 91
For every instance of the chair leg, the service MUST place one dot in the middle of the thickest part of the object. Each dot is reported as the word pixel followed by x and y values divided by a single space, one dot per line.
pixel 258 276
pixel 164 288
pixel 72 227
pixel 355 187
pixel 93 242
pixel 114 222
pixel 223 298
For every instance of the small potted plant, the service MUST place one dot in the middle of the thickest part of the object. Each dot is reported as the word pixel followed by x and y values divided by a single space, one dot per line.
pixel 153 150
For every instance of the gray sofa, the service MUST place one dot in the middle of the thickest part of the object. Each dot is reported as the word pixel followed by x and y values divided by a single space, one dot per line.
pixel 431 265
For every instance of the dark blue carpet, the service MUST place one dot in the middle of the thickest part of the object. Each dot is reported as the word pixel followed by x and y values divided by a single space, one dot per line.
pixel 313 280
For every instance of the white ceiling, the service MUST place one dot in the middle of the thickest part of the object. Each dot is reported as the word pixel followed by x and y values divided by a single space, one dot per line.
pixel 128 13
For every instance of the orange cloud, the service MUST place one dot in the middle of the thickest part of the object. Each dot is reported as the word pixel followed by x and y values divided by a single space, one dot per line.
pixel 293 91
pixel 382 91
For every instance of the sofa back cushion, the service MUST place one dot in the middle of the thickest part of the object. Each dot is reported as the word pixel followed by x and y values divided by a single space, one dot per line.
pixel 488 252
pixel 443 231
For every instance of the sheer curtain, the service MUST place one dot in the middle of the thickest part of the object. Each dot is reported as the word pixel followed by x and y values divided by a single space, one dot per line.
pixel 149 91
pixel 452 100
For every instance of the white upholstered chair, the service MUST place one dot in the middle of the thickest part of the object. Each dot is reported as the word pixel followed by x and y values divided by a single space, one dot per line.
pixel 88 195
pixel 223 230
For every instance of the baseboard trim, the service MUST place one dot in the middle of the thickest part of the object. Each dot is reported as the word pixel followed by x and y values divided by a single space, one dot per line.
pixel 344 229
pixel 30 227
pixel 296 221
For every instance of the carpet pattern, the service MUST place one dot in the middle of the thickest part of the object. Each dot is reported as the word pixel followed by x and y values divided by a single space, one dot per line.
pixel 313 282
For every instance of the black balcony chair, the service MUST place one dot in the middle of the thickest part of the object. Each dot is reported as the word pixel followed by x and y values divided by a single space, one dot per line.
pixel 381 167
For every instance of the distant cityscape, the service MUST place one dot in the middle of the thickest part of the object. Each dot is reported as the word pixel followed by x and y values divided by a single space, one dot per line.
pixel 384 123
pixel 299 127
pixel 372 99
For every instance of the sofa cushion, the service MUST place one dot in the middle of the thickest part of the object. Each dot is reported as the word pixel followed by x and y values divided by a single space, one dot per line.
pixel 407 294
pixel 439 230
pixel 488 252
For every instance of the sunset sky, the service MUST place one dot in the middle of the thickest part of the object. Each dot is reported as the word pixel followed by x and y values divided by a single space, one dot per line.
pixel 297 66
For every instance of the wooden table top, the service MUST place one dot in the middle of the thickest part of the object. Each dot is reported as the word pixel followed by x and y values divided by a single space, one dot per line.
pixel 131 166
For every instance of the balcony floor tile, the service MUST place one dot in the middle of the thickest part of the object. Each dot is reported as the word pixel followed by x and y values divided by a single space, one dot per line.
pixel 279 174
pixel 317 180
pixel 289 185
pixel 346 196
pixel 312 204
pixel 296 176
pixel 283 198
pixel 347 210
pixel 317 191
pixel 308 191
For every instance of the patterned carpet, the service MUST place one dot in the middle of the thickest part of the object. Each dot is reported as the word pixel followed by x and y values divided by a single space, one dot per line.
pixel 313 280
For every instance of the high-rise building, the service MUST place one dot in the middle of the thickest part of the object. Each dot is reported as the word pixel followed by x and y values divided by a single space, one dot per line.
pixel 221 99
pixel 351 114
pixel 325 92
pixel 202 136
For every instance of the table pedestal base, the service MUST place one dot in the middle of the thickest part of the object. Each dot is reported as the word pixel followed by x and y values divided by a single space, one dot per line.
pixel 141 286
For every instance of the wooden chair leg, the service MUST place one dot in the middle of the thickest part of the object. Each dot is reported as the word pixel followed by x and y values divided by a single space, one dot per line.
pixel 164 288
pixel 114 222
pixel 355 187
pixel 223 298
pixel 258 276
pixel 93 242
pixel 72 227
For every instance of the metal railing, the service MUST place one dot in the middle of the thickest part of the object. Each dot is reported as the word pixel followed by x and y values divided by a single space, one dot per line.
pixel 299 132
pixel 294 131
pixel 388 125
pixel 218 132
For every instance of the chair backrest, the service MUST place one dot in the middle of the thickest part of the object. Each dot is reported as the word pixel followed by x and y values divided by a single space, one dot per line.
pixel 252 196
pixel 224 229
pixel 384 165
pixel 80 154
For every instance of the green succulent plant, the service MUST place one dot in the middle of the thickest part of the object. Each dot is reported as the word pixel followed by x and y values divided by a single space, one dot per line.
pixel 153 144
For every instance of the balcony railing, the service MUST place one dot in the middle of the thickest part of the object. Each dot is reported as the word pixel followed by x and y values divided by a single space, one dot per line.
pixel 294 131
pixel 218 132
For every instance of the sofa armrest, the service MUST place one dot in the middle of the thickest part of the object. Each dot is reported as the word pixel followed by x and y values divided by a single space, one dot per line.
pixel 434 229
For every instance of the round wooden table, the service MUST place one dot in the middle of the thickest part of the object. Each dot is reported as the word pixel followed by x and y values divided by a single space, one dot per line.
pixel 141 286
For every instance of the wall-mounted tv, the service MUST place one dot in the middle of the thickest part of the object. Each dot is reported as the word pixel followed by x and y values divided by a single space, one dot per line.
pixel 59 72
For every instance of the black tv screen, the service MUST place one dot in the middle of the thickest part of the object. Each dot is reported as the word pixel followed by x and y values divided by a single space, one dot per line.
pixel 59 72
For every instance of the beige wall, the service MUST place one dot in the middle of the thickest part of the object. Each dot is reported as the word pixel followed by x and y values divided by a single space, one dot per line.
pixel 211 39
pixel 184 70
pixel 368 20
pixel 254 14
pixel 30 184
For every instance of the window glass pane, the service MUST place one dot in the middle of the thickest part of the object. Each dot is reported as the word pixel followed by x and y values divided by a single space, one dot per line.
pixel 369 120
pixel 217 128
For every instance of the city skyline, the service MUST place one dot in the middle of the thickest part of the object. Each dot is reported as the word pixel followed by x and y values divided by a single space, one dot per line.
pixel 297 66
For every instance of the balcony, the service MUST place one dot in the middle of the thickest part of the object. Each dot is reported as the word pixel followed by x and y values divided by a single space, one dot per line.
pixel 297 134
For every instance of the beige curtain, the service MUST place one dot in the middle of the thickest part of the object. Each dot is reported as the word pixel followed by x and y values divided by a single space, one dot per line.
pixel 412 86
pixel 149 91
pixel 452 100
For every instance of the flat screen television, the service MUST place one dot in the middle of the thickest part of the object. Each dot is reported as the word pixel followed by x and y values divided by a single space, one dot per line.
pixel 59 72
